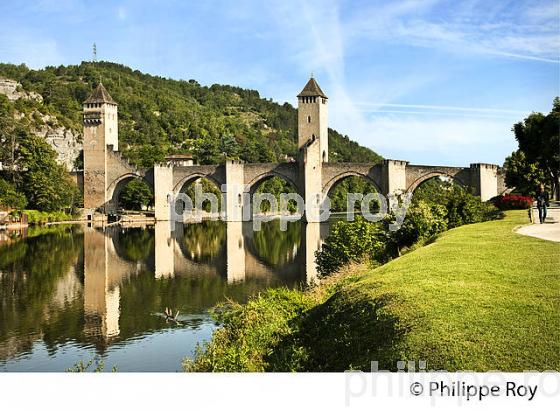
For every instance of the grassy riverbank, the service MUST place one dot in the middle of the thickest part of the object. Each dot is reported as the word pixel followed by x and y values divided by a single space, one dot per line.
pixel 480 297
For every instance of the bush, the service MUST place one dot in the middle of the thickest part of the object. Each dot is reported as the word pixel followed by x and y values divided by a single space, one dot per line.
pixel 249 332
pixel 423 220
pixel 359 240
pixel 35 217
pixel 351 241
pixel 464 208
pixel 507 202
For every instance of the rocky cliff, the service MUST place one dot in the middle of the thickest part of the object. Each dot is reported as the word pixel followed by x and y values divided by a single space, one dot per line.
pixel 66 142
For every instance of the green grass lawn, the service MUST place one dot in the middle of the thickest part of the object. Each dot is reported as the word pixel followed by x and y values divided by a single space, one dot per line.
pixel 480 297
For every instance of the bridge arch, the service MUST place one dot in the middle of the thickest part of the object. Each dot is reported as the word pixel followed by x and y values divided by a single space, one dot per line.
pixel 189 179
pixel 435 174
pixel 330 184
pixel 116 186
pixel 183 184
pixel 257 181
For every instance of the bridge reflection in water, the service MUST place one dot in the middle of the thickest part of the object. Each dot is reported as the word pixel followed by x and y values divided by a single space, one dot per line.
pixel 232 253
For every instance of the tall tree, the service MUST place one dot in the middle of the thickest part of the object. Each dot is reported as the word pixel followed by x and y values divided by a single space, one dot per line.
pixel 46 183
pixel 522 174
pixel 539 141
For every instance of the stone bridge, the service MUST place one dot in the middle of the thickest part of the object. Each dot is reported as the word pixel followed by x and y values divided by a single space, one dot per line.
pixel 106 172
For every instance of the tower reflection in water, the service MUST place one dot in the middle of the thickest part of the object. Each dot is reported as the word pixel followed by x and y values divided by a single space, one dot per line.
pixel 231 253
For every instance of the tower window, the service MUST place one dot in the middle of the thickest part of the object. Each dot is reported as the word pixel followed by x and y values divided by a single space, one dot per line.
pixel 309 119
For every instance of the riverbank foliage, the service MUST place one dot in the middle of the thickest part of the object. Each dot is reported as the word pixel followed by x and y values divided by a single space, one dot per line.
pixel 466 301
pixel 35 217
pixel 436 206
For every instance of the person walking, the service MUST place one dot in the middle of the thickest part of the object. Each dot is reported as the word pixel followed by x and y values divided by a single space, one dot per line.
pixel 542 199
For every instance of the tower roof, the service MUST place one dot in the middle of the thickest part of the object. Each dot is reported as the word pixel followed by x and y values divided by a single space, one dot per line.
pixel 312 89
pixel 100 95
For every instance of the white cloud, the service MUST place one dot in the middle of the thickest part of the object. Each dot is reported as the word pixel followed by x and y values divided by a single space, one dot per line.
pixel 122 13
pixel 474 30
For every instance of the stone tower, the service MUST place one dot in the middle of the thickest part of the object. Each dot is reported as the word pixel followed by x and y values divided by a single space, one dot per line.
pixel 101 133
pixel 313 117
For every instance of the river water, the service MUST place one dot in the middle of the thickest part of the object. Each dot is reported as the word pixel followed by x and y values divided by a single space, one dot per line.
pixel 71 293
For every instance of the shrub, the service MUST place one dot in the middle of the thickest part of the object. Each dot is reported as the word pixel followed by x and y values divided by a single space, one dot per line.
pixel 507 202
pixel 359 240
pixel 423 220
pixel 464 208
pixel 249 332
pixel 351 241
pixel 35 217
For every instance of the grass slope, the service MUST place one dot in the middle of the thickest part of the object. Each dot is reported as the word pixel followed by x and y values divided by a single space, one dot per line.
pixel 481 297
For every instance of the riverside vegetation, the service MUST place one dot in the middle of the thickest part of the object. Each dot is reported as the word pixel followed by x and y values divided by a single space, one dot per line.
pixel 466 300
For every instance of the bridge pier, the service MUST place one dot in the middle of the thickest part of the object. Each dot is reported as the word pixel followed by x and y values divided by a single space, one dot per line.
pixel 163 188
pixel 234 198
pixel 311 174
pixel 393 176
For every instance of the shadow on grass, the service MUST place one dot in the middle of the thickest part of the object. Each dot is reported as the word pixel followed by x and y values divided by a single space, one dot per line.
pixel 348 331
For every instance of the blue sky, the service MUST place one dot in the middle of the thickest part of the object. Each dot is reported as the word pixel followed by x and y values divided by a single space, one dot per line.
pixel 437 82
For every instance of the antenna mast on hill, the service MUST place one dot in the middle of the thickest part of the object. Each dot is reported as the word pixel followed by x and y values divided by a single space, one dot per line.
pixel 94 53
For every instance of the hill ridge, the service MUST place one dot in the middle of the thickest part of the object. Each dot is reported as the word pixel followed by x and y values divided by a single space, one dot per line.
pixel 160 116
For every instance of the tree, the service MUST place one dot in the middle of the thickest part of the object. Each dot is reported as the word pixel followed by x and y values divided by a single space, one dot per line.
pixel 46 183
pixel 521 174
pixel 538 139
pixel 10 198
pixel 136 195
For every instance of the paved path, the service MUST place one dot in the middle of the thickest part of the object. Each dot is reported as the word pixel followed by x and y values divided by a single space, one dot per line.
pixel 547 231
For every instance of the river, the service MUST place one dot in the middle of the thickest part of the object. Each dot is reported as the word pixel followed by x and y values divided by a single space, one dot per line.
pixel 71 293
